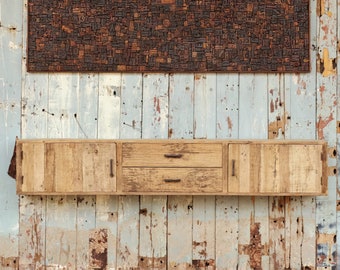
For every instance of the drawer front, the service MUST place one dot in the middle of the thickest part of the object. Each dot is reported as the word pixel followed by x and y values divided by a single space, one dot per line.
pixel 177 180
pixel 172 155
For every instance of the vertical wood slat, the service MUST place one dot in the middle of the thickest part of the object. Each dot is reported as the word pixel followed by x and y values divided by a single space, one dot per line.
pixel 203 242
pixel 300 92
pixel 326 112
pixel 153 209
pixel 32 246
pixel 180 207
pixel 32 231
pixel 109 105
pixel 85 119
pixel 253 124
pixel 32 211
pixel 61 211
pixel 85 223
pixel 61 238
pixel 227 208
pixel 128 206
pixel 277 120
pixel 10 114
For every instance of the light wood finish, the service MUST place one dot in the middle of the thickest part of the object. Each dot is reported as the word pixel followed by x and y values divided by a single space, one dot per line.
pixel 168 154
pixel 173 180
pixel 63 167
pixel 275 168
pixel 172 167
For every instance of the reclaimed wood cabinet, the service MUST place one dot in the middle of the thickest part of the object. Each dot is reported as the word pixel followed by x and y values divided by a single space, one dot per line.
pixel 197 167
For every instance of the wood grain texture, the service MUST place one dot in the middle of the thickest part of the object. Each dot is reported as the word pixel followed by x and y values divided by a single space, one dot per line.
pixel 309 110
pixel 170 154
pixel 227 208
pixel 181 124
pixel 10 114
pixel 153 209
pixel 327 112
pixel 275 168
pixel 172 180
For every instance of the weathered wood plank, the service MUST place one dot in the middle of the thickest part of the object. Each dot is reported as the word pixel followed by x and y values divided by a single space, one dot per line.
pixel 155 106
pixel 253 123
pixel 153 209
pixel 205 106
pixel 86 120
pixel 227 208
pixel 128 232
pixel 86 217
pixel 109 104
pixel 61 210
pixel 32 210
pixel 181 110
pixel 152 236
pixel 61 236
pixel 32 232
pixel 107 219
pixel 326 113
pixel 203 242
pixel 10 112
pixel 276 130
pixel 277 232
pixel 128 206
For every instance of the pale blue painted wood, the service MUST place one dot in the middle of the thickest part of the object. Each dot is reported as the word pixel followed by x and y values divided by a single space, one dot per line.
pixel 326 111
pixel 128 206
pixel 153 209
pixel 85 224
pixel 181 123
pixel 109 104
pixel 61 211
pixel 276 123
pixel 32 231
pixel 85 118
pixel 203 225
pixel 302 125
pixel 10 93
pixel 253 124
pixel 227 208
pixel 227 105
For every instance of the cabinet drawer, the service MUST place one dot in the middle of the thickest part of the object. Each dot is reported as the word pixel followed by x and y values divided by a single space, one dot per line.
pixel 176 180
pixel 172 155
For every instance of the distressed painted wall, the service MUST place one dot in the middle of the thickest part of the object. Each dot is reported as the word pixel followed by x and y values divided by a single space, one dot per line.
pixel 168 232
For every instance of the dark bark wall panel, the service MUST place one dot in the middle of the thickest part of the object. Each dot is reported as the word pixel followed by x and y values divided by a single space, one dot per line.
pixel 168 36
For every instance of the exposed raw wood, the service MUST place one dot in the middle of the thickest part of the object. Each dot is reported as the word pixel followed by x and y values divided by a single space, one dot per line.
pixel 172 180
pixel 159 166
pixel 256 168
pixel 302 232
pixel 170 154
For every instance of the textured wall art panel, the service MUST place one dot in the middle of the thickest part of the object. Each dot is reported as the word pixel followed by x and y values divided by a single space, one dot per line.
pixel 168 35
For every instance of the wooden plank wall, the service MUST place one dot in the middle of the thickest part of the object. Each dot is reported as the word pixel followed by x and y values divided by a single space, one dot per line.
pixel 168 232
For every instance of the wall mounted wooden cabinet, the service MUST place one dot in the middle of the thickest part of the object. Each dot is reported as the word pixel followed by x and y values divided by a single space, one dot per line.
pixel 199 167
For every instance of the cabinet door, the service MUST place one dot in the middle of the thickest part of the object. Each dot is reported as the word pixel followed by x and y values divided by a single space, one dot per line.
pixel 81 167
pixel 270 168
pixel 67 167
